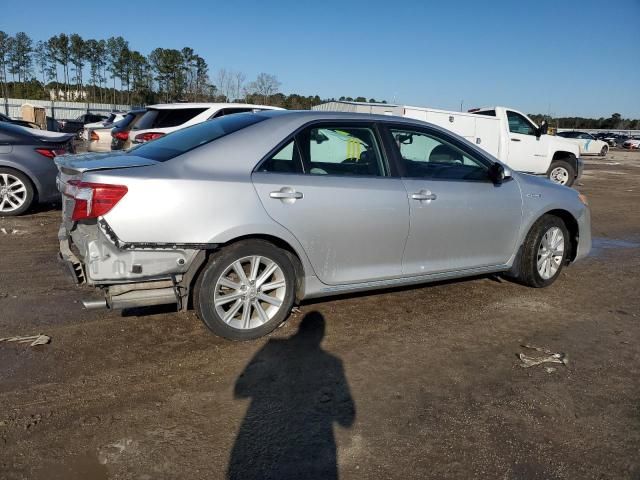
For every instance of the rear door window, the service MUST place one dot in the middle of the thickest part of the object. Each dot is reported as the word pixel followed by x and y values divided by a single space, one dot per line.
pixel 341 150
pixel 285 160
pixel 169 117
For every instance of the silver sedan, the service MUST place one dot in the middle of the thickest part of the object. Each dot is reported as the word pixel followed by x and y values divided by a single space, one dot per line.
pixel 244 215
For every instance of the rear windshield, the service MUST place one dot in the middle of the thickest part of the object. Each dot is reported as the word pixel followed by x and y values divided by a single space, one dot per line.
pixel 167 117
pixel 182 141
pixel 487 113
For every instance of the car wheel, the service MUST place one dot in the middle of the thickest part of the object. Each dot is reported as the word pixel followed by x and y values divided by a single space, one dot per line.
pixel 246 290
pixel 604 151
pixel 16 192
pixel 544 252
pixel 562 173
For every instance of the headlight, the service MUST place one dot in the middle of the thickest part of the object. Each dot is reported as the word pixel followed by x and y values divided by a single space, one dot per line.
pixel 583 198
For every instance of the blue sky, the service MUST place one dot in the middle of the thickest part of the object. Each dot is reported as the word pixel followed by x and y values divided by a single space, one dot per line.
pixel 562 57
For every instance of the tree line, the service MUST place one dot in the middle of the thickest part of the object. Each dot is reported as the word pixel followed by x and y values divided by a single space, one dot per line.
pixel 69 67
pixel 614 122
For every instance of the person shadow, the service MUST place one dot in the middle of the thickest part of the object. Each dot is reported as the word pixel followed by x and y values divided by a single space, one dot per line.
pixel 297 391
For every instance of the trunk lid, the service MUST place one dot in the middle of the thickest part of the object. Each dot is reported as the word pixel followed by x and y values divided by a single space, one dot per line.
pixel 72 167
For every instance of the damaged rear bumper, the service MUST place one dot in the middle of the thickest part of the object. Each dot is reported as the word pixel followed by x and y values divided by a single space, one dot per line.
pixel 127 275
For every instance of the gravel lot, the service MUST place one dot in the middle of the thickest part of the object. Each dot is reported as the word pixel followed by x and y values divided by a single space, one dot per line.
pixel 409 383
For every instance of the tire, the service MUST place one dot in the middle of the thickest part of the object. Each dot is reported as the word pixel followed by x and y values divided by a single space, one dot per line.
pixel 220 278
pixel 604 151
pixel 562 173
pixel 16 193
pixel 530 273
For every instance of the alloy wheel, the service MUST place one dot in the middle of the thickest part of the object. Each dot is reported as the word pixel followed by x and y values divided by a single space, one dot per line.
pixel 550 253
pixel 250 292
pixel 13 193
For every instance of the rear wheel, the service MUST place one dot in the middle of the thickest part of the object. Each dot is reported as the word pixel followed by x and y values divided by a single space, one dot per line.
pixel 544 252
pixel 16 192
pixel 246 290
pixel 561 172
pixel 604 151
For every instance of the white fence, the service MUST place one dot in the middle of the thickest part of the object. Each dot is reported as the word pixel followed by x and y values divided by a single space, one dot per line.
pixel 58 109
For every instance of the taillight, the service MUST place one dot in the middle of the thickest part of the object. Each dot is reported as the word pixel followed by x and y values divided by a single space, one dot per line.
pixel 124 136
pixel 93 200
pixel 51 152
pixel 94 136
pixel 145 137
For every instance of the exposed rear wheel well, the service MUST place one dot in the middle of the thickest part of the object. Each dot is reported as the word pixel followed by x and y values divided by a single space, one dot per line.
pixel 572 226
pixel 278 242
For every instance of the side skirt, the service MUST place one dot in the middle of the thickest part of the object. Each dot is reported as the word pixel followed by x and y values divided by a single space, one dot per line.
pixel 314 288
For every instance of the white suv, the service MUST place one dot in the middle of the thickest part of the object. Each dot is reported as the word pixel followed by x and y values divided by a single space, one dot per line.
pixel 166 118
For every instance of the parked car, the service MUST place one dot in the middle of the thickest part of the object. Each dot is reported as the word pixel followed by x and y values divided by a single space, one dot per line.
pixel 120 133
pixel 632 143
pixel 22 123
pixel 99 139
pixel 110 121
pixel 588 144
pixel 610 138
pixel 27 170
pixel 245 214
pixel 162 119
pixel 76 125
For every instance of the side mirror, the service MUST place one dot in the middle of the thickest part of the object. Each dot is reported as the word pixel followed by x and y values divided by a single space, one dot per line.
pixel 543 129
pixel 497 173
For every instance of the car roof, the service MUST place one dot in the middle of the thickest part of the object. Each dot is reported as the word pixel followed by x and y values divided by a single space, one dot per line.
pixel 311 115
pixel 176 106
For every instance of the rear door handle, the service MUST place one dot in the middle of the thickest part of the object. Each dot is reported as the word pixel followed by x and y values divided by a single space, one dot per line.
pixel 515 139
pixel 423 195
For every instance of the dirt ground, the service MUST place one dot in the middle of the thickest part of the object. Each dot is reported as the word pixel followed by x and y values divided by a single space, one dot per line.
pixel 409 383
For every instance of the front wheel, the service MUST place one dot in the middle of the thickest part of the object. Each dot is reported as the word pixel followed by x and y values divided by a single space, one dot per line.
pixel 544 252
pixel 604 151
pixel 246 290
pixel 562 173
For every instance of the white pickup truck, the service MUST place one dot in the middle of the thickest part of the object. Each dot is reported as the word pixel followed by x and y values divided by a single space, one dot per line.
pixel 512 137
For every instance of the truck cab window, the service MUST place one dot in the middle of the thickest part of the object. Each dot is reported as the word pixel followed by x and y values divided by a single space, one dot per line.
pixel 519 124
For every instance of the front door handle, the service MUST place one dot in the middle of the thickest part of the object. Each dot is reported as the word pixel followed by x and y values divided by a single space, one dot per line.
pixel 423 196
pixel 515 139
pixel 286 195
pixel 281 195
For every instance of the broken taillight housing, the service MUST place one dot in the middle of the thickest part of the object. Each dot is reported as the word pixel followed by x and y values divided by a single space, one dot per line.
pixel 93 200
pixel 124 136
pixel 94 137
pixel 145 137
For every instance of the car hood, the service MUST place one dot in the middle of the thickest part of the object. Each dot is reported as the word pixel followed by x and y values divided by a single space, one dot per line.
pixel 85 162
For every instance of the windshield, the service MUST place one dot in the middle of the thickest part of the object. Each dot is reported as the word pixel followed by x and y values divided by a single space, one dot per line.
pixel 182 141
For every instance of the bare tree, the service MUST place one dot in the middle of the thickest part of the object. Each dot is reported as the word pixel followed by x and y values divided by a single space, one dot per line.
pixel 264 85
pixel 238 85
pixel 224 83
